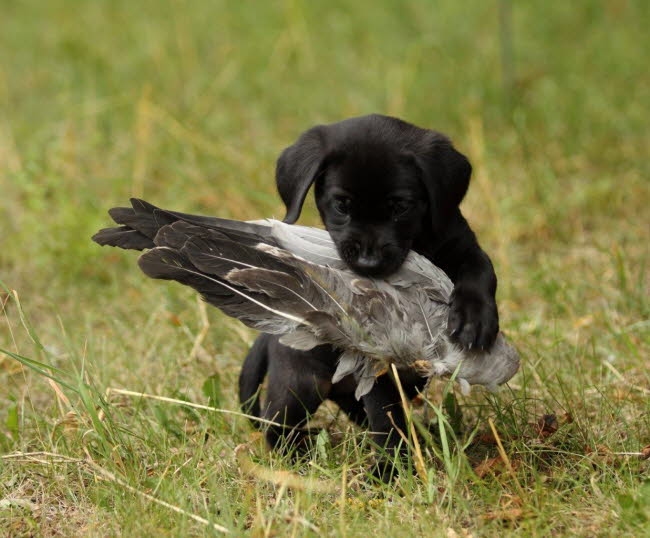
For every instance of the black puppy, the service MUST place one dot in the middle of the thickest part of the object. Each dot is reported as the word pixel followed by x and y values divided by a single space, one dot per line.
pixel 383 187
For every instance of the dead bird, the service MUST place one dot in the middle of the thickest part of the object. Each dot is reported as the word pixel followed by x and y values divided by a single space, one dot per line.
pixel 289 280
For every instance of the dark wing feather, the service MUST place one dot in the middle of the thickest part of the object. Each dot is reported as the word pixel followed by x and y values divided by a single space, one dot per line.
pixel 123 237
pixel 175 235
pixel 249 307
pixel 121 215
pixel 275 284
pixel 142 223
pixel 146 223
pixel 283 291
pixel 139 227
pixel 243 229
pixel 214 253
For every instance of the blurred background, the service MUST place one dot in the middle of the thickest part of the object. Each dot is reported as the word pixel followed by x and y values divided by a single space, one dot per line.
pixel 188 104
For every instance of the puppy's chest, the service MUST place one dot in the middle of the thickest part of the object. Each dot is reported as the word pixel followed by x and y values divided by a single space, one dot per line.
pixel 440 252
pixel 428 249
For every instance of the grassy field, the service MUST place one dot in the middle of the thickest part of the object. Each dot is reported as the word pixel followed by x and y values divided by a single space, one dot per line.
pixel 188 104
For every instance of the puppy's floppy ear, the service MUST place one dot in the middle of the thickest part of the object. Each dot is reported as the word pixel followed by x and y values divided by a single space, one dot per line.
pixel 298 167
pixel 446 173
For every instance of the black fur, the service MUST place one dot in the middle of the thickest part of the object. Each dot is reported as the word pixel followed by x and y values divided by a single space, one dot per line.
pixel 382 187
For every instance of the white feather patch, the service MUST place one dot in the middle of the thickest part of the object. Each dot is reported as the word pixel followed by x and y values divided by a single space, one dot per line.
pixel 300 339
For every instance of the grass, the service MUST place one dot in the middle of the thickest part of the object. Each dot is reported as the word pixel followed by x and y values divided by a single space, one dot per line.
pixel 188 105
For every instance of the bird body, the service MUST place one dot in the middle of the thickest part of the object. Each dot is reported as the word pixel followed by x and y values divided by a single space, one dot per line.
pixel 289 280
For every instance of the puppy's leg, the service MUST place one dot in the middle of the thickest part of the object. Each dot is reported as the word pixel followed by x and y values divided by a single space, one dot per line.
pixel 343 394
pixel 298 382
pixel 252 375
pixel 385 414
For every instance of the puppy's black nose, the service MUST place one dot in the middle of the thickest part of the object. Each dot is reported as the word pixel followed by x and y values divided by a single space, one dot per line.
pixel 368 265
pixel 367 262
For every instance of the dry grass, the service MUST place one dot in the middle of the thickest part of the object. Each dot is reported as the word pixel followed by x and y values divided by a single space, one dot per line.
pixel 188 105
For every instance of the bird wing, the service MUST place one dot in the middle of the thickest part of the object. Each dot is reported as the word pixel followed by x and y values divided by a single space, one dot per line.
pixel 141 222
pixel 263 286
pixel 289 280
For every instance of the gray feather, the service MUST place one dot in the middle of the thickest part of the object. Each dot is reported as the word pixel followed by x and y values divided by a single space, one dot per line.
pixel 348 364
pixel 364 386
pixel 300 339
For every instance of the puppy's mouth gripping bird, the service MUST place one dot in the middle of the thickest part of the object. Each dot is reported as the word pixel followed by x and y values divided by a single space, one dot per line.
pixel 289 280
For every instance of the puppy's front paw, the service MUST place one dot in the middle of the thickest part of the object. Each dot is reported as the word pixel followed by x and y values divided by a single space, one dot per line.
pixel 473 319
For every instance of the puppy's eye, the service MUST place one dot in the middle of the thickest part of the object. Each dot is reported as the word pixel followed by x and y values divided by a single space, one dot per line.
pixel 342 206
pixel 399 208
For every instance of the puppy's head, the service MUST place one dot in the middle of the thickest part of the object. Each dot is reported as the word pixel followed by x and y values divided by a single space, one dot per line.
pixel 380 184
